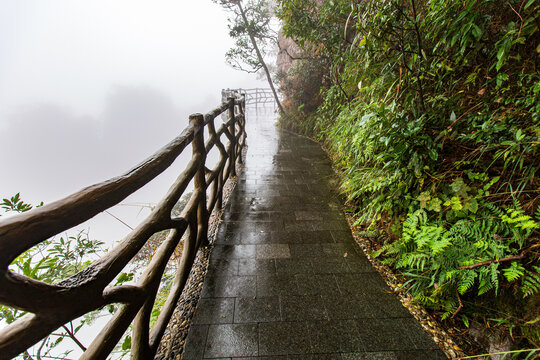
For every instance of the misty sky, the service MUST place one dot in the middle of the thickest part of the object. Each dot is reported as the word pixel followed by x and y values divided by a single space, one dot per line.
pixel 90 88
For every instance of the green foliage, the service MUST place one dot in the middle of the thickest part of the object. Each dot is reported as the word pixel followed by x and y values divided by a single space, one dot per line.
pixel 51 261
pixel 441 257
pixel 431 114
pixel 15 204
pixel 248 19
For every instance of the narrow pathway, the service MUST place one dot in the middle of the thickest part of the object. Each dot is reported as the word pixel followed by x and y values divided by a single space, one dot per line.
pixel 286 280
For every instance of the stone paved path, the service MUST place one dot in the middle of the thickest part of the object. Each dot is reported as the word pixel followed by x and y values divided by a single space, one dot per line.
pixel 285 279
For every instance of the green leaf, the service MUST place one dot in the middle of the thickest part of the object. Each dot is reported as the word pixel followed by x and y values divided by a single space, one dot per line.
pixel 434 205
pixel 529 3
pixel 465 320
pixel 126 345
pixel 455 203
pixel 460 188
pixel 424 197
pixel 471 205
pixel 433 154
pixel 363 41
pixel 477 32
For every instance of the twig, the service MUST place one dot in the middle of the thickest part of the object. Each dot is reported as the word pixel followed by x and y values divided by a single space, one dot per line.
pixel 462 115
pixel 38 353
pixel 521 26
pixel 117 218
pixel 460 305
pixel 489 262
pixel 72 336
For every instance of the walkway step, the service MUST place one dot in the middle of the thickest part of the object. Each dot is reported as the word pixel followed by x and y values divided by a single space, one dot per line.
pixel 286 279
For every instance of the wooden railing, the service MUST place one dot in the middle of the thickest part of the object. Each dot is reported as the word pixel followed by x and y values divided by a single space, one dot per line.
pixel 257 96
pixel 49 306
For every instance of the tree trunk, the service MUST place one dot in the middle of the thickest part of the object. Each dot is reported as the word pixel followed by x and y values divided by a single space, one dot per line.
pixel 259 55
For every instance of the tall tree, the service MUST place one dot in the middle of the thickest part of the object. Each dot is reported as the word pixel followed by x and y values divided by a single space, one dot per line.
pixel 250 27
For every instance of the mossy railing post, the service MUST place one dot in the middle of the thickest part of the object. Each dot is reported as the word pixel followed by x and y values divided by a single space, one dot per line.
pixel 232 131
pixel 197 120
pixel 242 129
pixel 216 193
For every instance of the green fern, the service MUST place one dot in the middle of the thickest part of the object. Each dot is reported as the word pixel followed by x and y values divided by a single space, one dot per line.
pixel 514 271
pixel 433 252
pixel 531 282
pixel 467 281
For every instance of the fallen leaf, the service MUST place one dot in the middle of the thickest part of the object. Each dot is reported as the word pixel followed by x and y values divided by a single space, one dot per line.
pixel 345 255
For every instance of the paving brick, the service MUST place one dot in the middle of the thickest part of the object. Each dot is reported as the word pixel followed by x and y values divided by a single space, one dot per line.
pixel 195 342
pixel 384 335
pixel 282 338
pixel 334 336
pixel 231 340
pixel 300 307
pixel 229 286
pixel 256 266
pixel 273 251
pixel 272 285
pixel 233 252
pixel 214 311
pixel 256 309
pixel 317 285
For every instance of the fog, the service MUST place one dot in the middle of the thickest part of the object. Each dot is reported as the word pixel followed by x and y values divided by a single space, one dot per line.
pixel 89 89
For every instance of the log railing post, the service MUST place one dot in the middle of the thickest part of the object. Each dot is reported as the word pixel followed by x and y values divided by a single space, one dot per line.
pixel 232 130
pixel 197 120
pixel 241 129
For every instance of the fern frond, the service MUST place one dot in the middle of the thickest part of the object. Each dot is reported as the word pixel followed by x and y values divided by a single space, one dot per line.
pixel 485 281
pixel 467 281
pixel 514 271
pixel 494 272
pixel 531 282
pixel 439 245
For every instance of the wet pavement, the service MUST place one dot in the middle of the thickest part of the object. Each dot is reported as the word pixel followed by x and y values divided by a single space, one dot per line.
pixel 286 280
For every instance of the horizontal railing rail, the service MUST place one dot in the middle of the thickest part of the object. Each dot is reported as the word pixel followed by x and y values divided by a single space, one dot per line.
pixel 50 306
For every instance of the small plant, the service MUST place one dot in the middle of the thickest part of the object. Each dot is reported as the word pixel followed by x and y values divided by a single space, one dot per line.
pixel 52 261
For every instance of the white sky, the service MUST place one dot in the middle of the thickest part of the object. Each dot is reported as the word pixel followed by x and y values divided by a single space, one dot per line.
pixel 89 88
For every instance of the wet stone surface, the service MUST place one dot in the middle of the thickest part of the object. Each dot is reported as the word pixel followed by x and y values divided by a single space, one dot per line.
pixel 286 279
